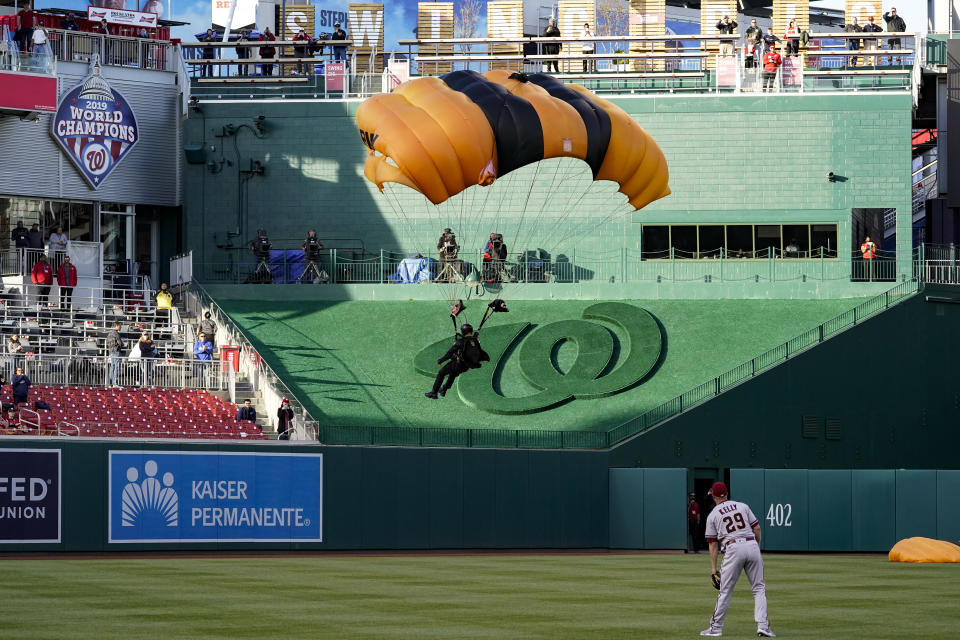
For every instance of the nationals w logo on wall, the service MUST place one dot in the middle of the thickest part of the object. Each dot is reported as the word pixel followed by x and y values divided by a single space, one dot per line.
pixel 95 126
pixel 604 366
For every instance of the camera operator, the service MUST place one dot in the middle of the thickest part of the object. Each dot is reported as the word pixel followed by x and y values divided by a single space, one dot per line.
pixel 260 246
pixel 447 246
pixel 312 246
pixel 494 256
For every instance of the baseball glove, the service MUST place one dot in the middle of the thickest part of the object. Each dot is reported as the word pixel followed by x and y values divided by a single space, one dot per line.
pixel 715 579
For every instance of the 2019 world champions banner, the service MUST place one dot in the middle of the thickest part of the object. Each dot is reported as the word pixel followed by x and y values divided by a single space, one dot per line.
pixel 95 126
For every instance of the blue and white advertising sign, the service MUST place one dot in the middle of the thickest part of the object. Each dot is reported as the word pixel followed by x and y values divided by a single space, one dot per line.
pixel 29 495
pixel 95 126
pixel 162 496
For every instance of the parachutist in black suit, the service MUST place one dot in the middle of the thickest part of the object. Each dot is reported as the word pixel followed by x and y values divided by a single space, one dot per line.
pixel 465 354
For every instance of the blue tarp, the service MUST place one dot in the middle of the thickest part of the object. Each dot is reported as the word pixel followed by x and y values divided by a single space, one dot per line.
pixel 412 271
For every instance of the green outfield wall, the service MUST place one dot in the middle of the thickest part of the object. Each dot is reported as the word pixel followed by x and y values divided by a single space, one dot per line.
pixel 61 494
pixel 733 159
pixel 880 395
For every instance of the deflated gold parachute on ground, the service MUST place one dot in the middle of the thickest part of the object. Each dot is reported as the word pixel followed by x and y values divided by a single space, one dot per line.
pixel 440 136
pixel 924 550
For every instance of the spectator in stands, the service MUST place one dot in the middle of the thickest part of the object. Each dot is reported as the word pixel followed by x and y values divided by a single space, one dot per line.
pixel 587 47
pixel 21 386
pixel 208 327
pixel 203 351
pixel 246 412
pixel 792 36
pixel 770 40
pixel 57 242
pixel 339 53
pixel 871 27
pixel 20 236
pixel 726 26
pixel 15 351
pixel 771 62
pixel 267 52
pixel 115 347
pixel 754 37
pixel 551 48
pixel 853 44
pixel 164 301
pixel 42 276
pixel 23 36
pixel 243 52
pixel 35 236
pixel 39 40
pixel 69 23
pixel 208 53
pixel 895 24
pixel 284 420
pixel 67 280
pixel 148 351
pixel 302 50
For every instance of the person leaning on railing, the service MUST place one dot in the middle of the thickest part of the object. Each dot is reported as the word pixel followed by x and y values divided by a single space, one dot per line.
pixel 726 26
pixel 753 38
pixel 871 27
pixel 267 52
pixel 115 347
pixel 242 52
pixel 208 53
pixel 853 44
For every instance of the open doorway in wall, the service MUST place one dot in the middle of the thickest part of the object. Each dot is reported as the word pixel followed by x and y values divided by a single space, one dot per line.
pixel 872 257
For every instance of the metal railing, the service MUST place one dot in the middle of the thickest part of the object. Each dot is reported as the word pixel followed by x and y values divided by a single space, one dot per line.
pixel 252 366
pixel 539 267
pixel 937 263
pixel 95 371
pixel 121 51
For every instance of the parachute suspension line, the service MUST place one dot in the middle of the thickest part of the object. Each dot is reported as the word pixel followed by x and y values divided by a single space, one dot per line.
pixel 565 213
pixel 551 193
pixel 523 210
pixel 603 221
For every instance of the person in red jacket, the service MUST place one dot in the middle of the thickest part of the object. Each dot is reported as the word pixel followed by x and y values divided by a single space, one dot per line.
pixel 771 62
pixel 42 276
pixel 267 52
pixel 67 279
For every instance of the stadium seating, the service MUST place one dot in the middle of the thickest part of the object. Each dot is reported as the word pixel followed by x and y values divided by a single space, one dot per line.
pixel 135 413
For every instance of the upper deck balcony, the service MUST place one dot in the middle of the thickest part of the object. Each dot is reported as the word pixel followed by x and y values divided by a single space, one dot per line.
pixel 616 65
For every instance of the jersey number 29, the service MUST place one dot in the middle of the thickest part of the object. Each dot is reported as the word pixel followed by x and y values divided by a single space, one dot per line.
pixel 735 523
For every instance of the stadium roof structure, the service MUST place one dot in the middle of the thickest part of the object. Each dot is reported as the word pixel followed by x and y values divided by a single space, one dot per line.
pixel 764 9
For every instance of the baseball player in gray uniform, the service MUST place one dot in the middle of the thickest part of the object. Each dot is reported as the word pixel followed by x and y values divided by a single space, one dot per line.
pixel 733 530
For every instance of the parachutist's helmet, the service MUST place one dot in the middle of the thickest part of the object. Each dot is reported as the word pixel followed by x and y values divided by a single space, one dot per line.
pixel 466 327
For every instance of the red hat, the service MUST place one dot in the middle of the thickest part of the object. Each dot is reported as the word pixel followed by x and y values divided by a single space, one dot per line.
pixel 870 18
pixel 719 490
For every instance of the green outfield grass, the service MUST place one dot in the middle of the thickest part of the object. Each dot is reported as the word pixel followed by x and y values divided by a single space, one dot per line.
pixel 535 596
pixel 351 363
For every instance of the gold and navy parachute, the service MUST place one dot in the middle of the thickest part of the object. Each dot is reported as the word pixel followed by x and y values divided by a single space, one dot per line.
pixel 443 135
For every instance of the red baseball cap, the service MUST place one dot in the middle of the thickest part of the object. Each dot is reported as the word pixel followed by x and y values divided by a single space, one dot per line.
pixel 718 489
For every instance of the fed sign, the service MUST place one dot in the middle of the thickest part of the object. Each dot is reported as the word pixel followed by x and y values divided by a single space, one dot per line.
pixel 95 126
pixel 29 495
pixel 161 496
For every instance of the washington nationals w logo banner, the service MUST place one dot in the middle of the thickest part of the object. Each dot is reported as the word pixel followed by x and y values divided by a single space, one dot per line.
pixel 95 126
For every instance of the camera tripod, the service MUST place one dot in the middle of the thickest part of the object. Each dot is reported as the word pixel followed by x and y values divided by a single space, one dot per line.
pixel 450 271
pixel 496 271
pixel 260 275
pixel 313 273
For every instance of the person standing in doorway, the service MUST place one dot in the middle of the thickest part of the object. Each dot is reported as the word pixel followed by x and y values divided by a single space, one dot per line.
pixel 552 48
pixel 733 529
pixel 67 279
pixel 693 521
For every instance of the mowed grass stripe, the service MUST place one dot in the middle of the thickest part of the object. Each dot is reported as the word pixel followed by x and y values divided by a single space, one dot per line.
pixel 543 596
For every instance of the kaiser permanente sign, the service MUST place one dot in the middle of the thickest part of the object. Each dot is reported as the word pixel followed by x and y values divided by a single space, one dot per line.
pixel 161 496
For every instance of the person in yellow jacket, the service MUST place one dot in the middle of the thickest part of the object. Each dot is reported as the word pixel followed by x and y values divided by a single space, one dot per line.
pixel 164 301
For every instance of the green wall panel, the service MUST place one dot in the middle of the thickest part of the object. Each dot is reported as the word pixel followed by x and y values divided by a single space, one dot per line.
pixel 831 510
pixel 874 509
pixel 626 508
pixel 916 503
pixel 664 509
pixel 748 486
pixel 948 505
pixel 828 134
pixel 784 513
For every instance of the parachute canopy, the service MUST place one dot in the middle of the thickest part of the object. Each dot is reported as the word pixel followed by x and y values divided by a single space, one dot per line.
pixel 924 550
pixel 440 136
